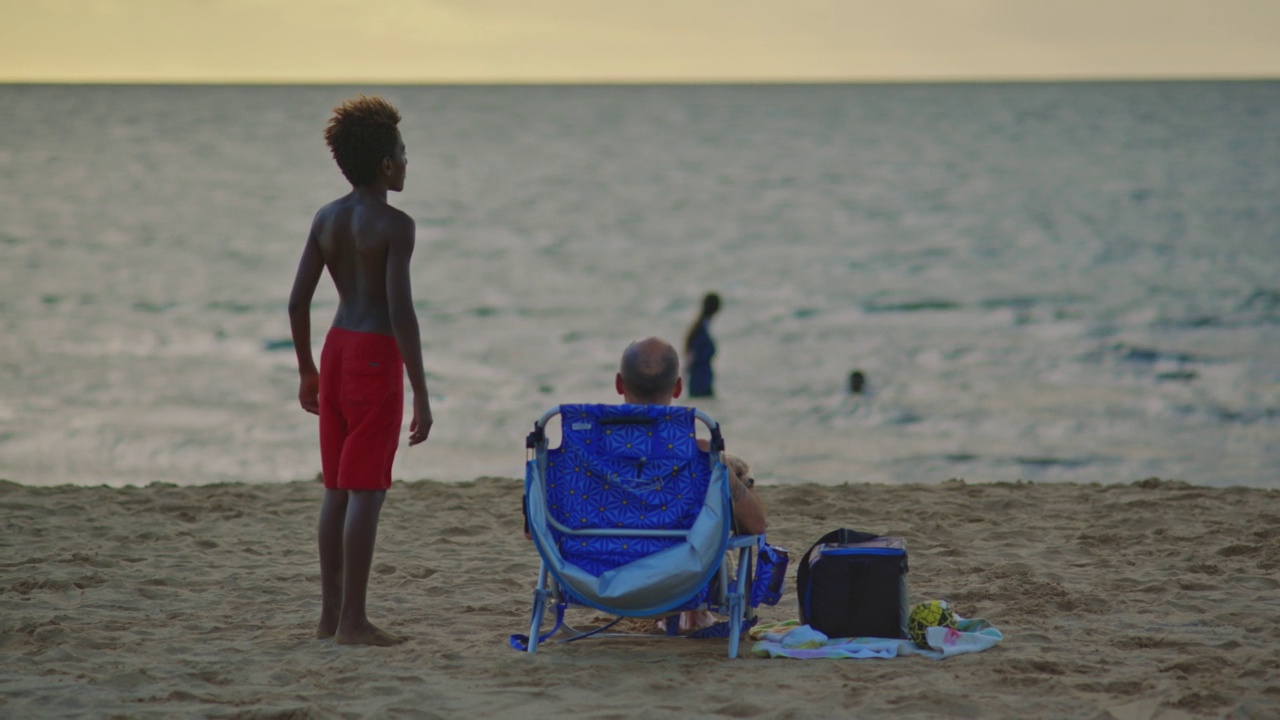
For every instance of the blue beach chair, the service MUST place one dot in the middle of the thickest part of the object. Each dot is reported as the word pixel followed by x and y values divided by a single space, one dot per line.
pixel 632 519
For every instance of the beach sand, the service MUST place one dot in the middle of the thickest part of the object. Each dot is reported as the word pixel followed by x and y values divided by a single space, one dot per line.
pixel 1148 600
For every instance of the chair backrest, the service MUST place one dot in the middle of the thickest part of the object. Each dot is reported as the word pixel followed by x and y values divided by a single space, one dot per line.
pixel 627 511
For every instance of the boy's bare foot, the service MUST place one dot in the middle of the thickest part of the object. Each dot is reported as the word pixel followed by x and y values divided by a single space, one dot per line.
pixel 327 628
pixel 369 634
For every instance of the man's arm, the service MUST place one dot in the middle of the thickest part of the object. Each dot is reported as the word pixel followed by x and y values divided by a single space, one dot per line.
pixel 310 267
pixel 748 511
pixel 404 324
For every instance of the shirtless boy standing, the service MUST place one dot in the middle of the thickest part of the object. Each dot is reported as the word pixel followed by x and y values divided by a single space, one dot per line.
pixel 359 391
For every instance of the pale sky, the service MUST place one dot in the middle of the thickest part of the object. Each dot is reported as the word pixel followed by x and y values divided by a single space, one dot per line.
pixel 427 41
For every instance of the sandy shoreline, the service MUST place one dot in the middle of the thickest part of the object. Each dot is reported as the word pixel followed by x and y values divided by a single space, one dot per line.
pixel 1155 599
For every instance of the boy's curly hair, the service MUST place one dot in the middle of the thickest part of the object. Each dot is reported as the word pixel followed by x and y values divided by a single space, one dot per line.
pixel 361 132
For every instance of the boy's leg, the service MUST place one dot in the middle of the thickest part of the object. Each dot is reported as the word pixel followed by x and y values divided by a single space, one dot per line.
pixel 333 514
pixel 359 534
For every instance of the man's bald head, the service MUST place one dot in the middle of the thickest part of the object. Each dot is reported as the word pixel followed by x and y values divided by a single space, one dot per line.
pixel 650 372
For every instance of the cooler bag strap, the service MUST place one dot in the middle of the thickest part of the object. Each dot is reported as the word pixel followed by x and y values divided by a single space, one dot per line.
pixel 841 536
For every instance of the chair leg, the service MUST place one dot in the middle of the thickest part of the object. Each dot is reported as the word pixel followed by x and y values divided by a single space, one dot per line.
pixel 738 601
pixel 539 609
pixel 735 630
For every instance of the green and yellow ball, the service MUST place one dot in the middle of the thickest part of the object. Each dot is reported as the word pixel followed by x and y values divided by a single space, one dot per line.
pixel 934 613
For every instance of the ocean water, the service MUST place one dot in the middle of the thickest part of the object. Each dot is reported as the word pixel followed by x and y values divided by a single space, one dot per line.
pixel 1049 282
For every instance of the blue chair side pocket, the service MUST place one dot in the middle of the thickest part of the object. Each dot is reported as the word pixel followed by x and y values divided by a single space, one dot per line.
pixel 771 573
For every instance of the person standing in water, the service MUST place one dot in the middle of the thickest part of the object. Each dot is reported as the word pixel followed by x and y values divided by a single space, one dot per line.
pixel 699 348
pixel 358 391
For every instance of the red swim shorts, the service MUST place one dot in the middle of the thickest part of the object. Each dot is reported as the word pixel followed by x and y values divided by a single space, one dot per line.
pixel 361 408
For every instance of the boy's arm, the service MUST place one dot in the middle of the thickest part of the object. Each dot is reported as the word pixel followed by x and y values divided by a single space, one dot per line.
pixel 404 324
pixel 310 267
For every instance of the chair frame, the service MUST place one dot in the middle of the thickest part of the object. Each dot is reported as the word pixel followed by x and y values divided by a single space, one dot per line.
pixel 732 585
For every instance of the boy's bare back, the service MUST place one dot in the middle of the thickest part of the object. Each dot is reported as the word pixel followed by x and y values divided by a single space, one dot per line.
pixel 361 241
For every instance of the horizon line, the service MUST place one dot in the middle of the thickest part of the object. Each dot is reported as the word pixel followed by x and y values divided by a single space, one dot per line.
pixel 603 82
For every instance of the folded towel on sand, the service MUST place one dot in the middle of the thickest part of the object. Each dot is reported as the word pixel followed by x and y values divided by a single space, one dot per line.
pixel 793 640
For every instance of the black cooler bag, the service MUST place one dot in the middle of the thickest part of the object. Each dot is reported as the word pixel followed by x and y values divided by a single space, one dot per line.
pixel 854 584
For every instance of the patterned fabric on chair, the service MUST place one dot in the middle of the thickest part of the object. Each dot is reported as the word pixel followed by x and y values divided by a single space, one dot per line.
pixel 631 518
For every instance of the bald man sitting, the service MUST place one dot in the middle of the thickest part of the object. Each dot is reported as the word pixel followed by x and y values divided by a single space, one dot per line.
pixel 650 375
